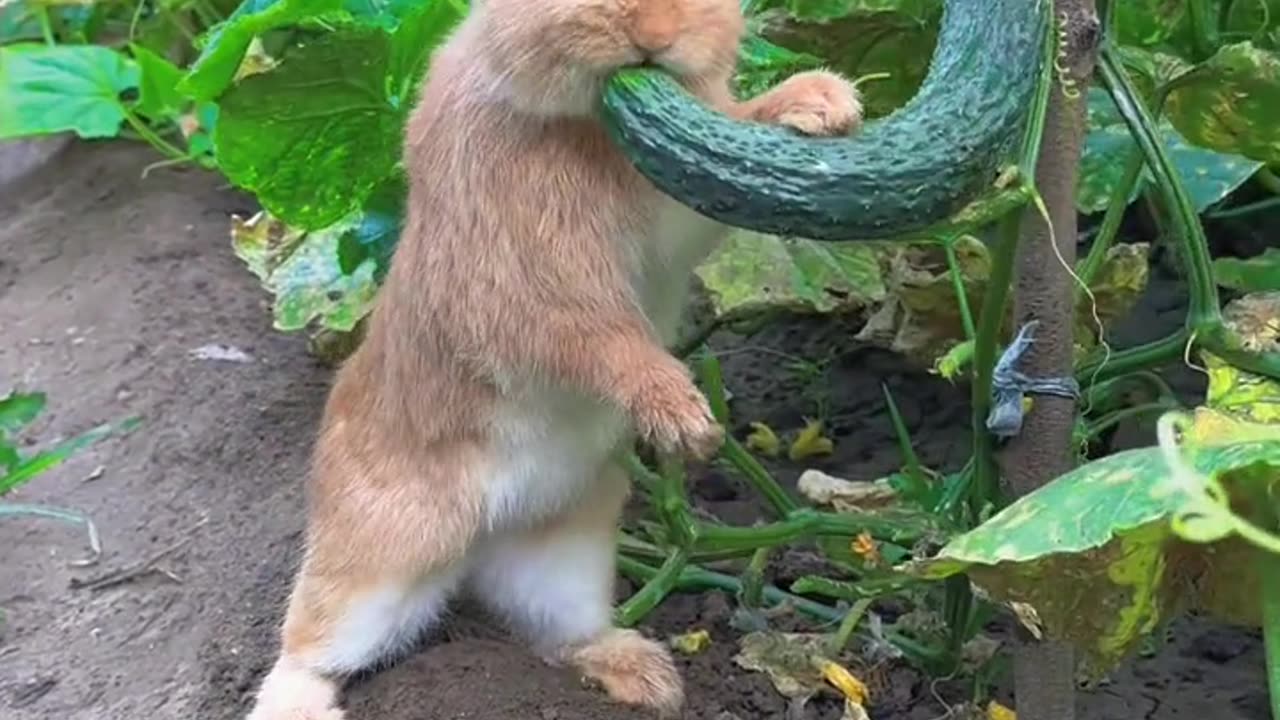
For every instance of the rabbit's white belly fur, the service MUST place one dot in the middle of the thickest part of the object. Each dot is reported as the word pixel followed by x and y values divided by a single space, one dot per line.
pixel 551 443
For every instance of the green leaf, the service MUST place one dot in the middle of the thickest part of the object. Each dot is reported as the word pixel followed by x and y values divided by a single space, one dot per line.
pixel 1095 554
pixel 1259 19
pixel 17 23
pixel 823 10
pixel 8 456
pixel 1228 103
pixel 198 128
pixel 227 44
pixel 42 462
pixel 304 272
pixel 1208 176
pixel 378 229
pixel 753 273
pixel 158 95
pixel 1147 22
pixel 422 30
pixel 389 14
pixel 762 64
pixel 314 137
pixel 63 88
pixel 1256 274
pixel 869 39
pixel 18 409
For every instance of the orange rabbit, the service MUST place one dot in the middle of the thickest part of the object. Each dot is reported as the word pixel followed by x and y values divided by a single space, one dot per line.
pixel 518 344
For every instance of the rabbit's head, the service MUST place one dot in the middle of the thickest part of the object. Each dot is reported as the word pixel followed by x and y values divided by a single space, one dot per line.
pixel 553 56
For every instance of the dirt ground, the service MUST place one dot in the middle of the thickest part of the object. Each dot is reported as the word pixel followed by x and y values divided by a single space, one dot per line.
pixel 108 282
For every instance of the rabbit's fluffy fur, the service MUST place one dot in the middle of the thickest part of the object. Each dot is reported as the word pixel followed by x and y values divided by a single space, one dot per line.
pixel 517 344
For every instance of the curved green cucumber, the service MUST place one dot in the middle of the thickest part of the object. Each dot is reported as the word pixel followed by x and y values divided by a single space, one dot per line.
pixel 900 174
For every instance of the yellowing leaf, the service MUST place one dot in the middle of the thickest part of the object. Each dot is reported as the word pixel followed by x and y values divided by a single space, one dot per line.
pixel 1211 427
pixel 1128 558
pixel 919 317
pixel 996 711
pixel 1115 289
pixel 854 711
pixel 1028 618
pixel 849 685
pixel 256 60
pixel 810 442
pixel 752 273
pixel 691 643
pixel 1253 321
pixel 1225 103
pixel 786 658
pixel 303 271
pixel 799 668
pixel 764 440
pixel 845 495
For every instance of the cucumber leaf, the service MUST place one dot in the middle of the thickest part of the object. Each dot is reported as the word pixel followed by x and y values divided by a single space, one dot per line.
pixel 304 272
pixel 1148 22
pixel 158 94
pixel 1095 553
pixel 753 273
pixel 762 64
pixel 870 38
pixel 1256 274
pixel 215 69
pixel 1209 176
pixel 52 89
pixel 314 136
pixel 1228 103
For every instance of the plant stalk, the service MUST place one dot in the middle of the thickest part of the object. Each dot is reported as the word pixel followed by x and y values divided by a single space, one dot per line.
pixel 1271 626
pixel 712 381
pixel 659 585
pixel 1135 359
pixel 957 281
pixel 1044 677
pixel 1110 227
pixel 1172 192
pixel 985 474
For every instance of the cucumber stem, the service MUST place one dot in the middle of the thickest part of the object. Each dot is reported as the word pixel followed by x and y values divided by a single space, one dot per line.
pixel 1253 207
pixel 1268 180
pixel 1110 226
pixel 659 585
pixel 695 578
pixel 1205 311
pixel 957 281
pixel 1134 359
pixel 1270 567
pixel 850 623
pixel 712 381
pixel 999 283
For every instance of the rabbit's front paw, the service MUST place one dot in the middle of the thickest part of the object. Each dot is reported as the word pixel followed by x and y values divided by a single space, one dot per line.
pixel 817 103
pixel 673 415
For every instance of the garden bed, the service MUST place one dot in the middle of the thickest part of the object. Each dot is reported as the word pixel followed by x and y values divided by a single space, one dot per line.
pixel 108 283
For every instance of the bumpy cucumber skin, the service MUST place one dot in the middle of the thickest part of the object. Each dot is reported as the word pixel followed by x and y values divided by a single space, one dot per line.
pixel 902 173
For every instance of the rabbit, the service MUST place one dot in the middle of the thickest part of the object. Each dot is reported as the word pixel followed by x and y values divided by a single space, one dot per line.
pixel 518 344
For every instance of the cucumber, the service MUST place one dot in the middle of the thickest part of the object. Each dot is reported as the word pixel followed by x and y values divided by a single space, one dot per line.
pixel 902 173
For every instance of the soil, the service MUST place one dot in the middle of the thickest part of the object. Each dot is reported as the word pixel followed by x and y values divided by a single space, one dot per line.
pixel 108 282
